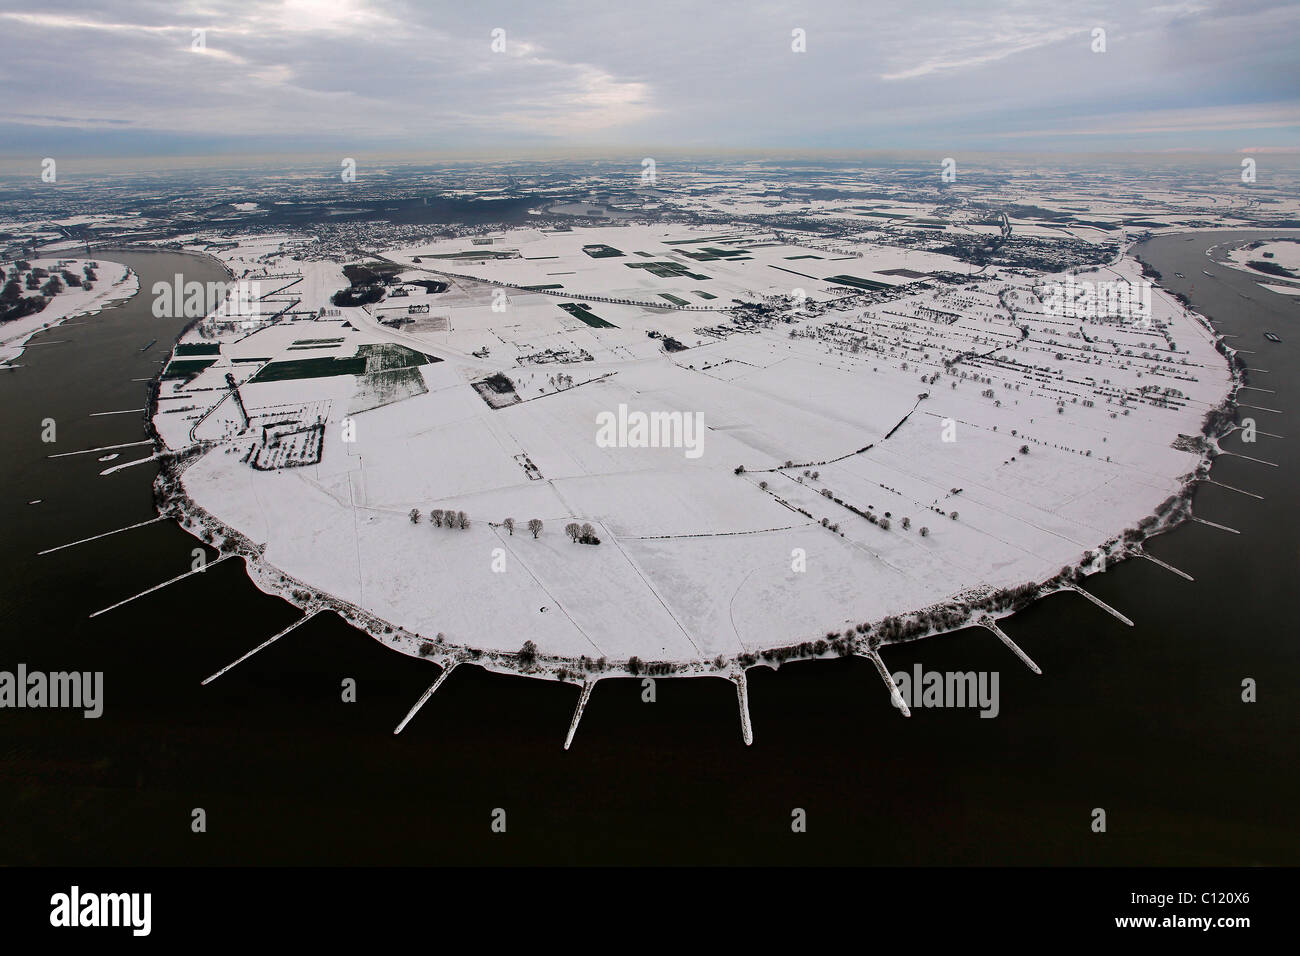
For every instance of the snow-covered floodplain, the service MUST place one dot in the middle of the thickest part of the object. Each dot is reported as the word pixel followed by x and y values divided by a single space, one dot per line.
pixel 1277 260
pixel 1284 253
pixel 113 282
pixel 885 436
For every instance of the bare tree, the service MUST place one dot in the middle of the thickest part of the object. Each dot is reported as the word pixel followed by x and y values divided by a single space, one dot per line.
pixel 925 532
pixel 535 526
pixel 414 516
pixel 573 530
pixel 462 520
pixel 509 525
pixel 588 531
pixel 436 517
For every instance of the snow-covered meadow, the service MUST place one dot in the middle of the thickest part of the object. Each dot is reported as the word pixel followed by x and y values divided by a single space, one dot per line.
pixel 113 283
pixel 861 457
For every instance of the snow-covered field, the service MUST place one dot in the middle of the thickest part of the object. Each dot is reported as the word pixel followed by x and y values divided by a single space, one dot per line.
pixel 1282 253
pixel 989 449
pixel 114 282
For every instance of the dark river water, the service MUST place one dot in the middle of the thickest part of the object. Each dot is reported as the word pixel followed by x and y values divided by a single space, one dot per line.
pixel 1145 722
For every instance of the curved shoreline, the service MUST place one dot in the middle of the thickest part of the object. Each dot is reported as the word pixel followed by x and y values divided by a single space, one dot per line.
pixel 6 361
pixel 155 383
pixel 1261 278
pixel 966 609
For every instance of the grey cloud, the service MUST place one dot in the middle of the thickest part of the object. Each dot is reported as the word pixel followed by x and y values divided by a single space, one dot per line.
pixel 413 75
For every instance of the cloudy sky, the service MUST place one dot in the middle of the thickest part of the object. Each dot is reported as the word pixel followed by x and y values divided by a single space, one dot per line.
pixel 132 77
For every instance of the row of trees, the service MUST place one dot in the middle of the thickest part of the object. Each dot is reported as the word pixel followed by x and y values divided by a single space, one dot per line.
pixel 580 533
pixel 447 518
pixel 584 534
pixel 443 518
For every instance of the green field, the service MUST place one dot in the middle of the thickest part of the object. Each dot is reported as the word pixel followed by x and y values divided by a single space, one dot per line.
pixel 199 348
pixel 601 251
pixel 310 368
pixel 186 368
pixel 712 253
pixel 673 299
pixel 687 242
pixel 855 282
pixel 704 295
pixel 581 312
pixel 666 270
pixel 488 254
pixel 369 359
